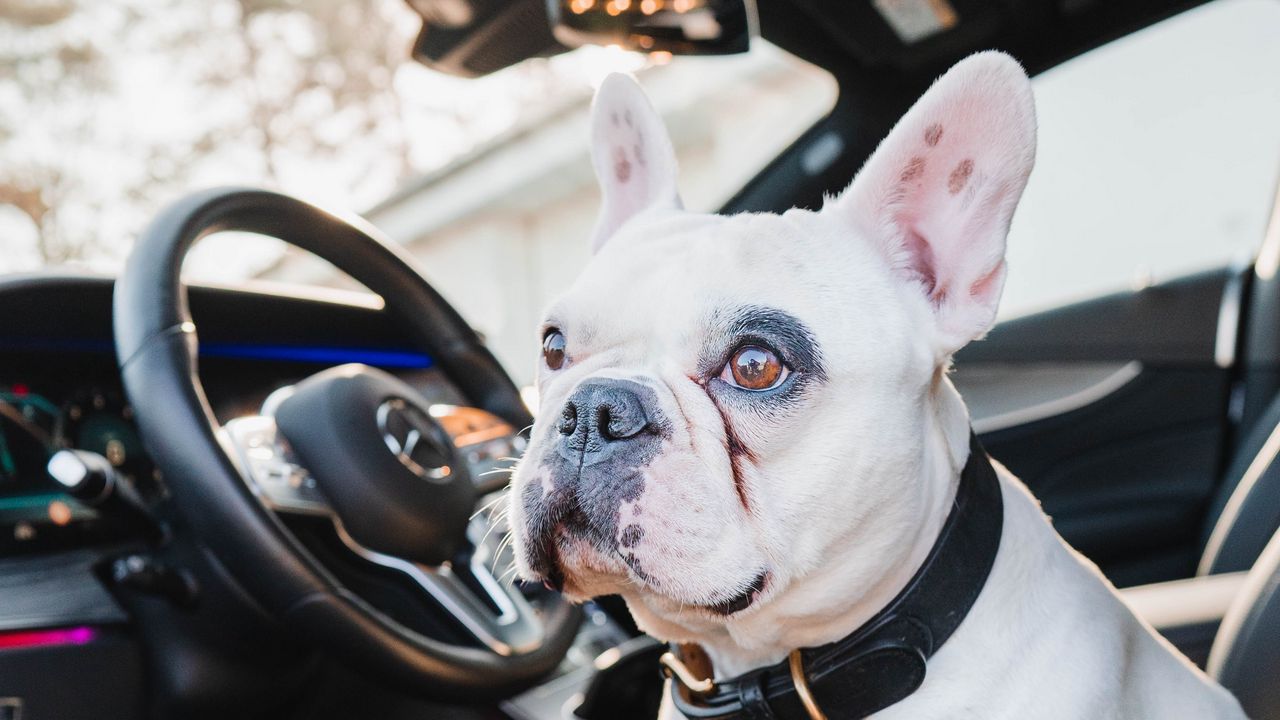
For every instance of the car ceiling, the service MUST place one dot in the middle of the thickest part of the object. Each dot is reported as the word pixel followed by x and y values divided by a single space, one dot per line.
pixel 476 37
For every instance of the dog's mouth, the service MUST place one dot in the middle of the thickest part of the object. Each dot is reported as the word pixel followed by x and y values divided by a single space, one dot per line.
pixel 742 600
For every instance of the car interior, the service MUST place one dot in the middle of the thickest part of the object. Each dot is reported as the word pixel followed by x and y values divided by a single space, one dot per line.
pixel 192 526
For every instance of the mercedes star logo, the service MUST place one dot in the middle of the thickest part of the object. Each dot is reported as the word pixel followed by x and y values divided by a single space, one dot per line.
pixel 415 439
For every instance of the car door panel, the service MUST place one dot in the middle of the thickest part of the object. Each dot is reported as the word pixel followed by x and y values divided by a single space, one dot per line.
pixel 1113 411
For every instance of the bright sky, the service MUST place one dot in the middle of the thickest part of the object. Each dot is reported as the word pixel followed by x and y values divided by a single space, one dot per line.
pixel 153 56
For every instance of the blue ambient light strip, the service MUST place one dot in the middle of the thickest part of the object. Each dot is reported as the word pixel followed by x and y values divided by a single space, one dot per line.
pixel 319 355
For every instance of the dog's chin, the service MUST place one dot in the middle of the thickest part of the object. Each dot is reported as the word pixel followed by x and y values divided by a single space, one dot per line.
pixel 725 607
pixel 585 573
pixel 750 597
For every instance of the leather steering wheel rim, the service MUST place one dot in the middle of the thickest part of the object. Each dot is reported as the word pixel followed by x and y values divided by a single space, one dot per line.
pixel 156 347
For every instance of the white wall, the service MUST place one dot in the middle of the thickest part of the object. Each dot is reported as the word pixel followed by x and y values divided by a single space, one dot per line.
pixel 499 234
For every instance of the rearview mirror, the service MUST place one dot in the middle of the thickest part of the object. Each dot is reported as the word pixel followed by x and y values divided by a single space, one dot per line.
pixel 680 27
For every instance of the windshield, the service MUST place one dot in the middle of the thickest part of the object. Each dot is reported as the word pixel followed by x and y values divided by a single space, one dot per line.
pixel 113 109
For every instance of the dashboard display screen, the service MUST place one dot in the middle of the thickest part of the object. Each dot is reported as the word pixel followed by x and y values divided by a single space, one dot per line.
pixel 35 423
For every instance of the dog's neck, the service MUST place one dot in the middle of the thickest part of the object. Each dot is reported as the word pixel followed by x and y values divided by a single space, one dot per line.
pixel 836 599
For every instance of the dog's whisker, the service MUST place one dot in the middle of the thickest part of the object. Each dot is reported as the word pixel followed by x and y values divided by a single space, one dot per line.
pixel 502 495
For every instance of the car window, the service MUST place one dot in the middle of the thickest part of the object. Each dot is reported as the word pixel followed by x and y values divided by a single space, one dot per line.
pixel 502 229
pixel 1159 155
pixel 110 111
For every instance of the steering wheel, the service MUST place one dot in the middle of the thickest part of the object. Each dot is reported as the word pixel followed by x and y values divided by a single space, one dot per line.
pixel 351 445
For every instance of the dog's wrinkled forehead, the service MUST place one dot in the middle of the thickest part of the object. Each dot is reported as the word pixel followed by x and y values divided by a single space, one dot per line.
pixel 680 286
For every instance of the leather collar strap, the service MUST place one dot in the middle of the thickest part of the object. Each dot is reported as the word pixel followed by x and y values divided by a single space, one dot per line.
pixel 883 661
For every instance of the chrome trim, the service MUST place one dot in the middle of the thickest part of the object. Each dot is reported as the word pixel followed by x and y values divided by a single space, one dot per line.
pixel 417 432
pixel 514 630
pixel 1269 253
pixel 282 485
pixel 1062 405
pixel 1231 511
pixel 1228 335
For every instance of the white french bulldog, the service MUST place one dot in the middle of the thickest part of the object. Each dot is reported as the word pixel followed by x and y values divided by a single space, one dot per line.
pixel 747 431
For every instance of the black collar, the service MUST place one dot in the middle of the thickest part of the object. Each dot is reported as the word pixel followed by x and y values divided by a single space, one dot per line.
pixel 883 661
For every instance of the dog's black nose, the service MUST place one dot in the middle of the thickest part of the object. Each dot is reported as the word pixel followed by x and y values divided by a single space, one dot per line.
pixel 602 412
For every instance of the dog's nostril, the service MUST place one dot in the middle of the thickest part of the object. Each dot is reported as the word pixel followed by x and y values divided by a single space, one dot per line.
pixel 620 423
pixel 604 422
pixel 568 419
pixel 601 412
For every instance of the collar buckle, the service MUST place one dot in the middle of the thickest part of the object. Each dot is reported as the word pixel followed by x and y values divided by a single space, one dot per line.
pixel 674 668
pixel 801 684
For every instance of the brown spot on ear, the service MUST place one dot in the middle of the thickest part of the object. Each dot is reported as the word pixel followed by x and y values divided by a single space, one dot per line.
pixel 621 165
pixel 932 134
pixel 913 169
pixel 960 176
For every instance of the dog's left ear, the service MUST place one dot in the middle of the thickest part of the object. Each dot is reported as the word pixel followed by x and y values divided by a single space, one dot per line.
pixel 939 193
pixel 634 161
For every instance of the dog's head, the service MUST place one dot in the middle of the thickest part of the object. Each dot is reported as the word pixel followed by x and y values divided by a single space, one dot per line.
pixel 727 404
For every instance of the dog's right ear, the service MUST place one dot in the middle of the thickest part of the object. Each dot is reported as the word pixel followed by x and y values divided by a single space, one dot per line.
pixel 632 154
pixel 939 193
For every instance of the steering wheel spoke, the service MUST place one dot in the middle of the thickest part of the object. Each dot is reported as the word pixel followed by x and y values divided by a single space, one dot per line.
pixel 476 592
pixel 492 610
pixel 269 468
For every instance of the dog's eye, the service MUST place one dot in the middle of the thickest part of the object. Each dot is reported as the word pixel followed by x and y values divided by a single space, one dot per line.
pixel 754 368
pixel 553 349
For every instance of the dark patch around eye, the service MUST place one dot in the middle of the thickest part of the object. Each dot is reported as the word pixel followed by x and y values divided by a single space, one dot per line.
pixel 729 329
pixel 769 326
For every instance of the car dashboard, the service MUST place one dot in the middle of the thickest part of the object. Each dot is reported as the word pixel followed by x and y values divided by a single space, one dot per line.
pixel 60 385
pixel 60 388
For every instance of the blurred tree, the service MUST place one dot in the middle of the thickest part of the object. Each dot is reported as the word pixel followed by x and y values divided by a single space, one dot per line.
pixel 258 89
pixel 35 59
pixel 109 110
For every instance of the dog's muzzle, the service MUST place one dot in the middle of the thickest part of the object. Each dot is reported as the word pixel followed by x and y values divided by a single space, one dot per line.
pixel 608 431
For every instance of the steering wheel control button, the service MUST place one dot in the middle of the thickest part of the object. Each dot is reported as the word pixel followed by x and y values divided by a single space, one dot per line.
pixel 274 475
pixel 390 472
